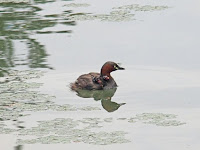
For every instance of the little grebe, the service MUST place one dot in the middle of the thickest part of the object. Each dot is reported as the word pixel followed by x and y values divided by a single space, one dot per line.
pixel 97 81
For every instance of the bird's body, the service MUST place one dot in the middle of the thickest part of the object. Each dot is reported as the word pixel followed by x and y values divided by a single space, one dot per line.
pixel 97 81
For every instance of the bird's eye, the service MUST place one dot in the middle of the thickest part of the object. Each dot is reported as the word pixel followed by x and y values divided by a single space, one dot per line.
pixel 116 67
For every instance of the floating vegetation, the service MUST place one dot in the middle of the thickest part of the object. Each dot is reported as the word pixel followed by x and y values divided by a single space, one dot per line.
pixel 92 122
pixel 45 32
pixel 77 5
pixel 67 130
pixel 137 7
pixel 63 130
pixel 158 119
pixel 14 1
pixel 114 16
pixel 6 130
pixel 17 96
pixel 121 118
pixel 89 108
pixel 108 119
pixel 122 13
pixel 9 114
pixel 20 76
pixel 19 86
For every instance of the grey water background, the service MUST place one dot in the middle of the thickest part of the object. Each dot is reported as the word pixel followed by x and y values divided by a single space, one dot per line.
pixel 158 47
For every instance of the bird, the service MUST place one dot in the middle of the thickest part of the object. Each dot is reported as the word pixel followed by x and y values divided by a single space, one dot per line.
pixel 98 81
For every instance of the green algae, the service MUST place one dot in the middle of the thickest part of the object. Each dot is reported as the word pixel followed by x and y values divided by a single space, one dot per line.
pixel 52 139
pixel 68 130
pixel 137 7
pixel 10 114
pixel 89 108
pixel 121 118
pixel 45 32
pixel 115 16
pixel 64 130
pixel 26 74
pixel 16 93
pixel 20 86
pixel 6 130
pixel 14 90
pixel 77 5
pixel 14 1
pixel 118 14
pixel 17 97
pixel 158 119
pixel 91 122
pixel 108 119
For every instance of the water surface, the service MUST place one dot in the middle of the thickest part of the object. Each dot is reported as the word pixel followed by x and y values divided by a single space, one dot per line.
pixel 46 45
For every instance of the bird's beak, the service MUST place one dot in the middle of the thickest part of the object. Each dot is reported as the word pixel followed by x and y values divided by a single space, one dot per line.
pixel 119 67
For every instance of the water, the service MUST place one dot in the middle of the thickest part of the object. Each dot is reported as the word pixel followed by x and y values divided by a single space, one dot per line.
pixel 46 45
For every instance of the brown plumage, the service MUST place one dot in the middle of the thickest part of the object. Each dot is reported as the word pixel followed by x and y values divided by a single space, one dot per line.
pixel 97 81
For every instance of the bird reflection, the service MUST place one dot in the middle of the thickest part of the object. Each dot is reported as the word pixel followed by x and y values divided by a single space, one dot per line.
pixel 18 147
pixel 104 95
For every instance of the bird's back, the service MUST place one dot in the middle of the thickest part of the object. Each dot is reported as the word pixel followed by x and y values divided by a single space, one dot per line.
pixel 86 82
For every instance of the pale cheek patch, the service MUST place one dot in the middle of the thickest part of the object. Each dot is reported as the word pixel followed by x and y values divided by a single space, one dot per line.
pixel 116 67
